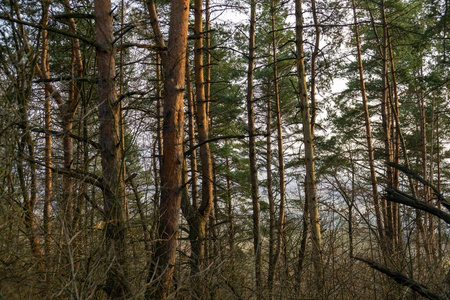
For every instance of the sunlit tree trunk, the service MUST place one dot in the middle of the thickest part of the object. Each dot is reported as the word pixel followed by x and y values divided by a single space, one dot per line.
pixel 205 207
pixel 207 50
pixel 173 59
pixel 190 207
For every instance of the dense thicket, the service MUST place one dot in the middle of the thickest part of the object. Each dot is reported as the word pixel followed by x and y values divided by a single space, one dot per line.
pixel 224 149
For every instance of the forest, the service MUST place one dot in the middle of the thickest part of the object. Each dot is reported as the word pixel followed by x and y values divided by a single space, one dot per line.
pixel 214 149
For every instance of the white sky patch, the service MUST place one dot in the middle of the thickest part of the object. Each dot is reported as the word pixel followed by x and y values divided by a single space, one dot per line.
pixel 339 85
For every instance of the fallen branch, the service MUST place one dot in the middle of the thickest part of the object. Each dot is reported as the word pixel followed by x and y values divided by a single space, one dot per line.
pixel 399 197
pixel 414 175
pixel 401 279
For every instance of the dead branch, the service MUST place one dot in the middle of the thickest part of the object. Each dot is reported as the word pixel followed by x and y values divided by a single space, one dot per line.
pixel 401 279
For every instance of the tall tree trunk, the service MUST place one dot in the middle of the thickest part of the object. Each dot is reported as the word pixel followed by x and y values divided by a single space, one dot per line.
pixel 48 140
pixel 68 110
pixel 140 210
pixel 303 242
pixel 173 60
pixel 373 176
pixel 230 210
pixel 198 217
pixel 396 112
pixel 252 151
pixel 191 130
pixel 158 147
pixel 386 112
pixel 26 153
pixel 117 286
pixel 121 93
pixel 207 56
pixel 439 204
pixel 190 208
pixel 29 196
pixel 310 182
pixel 281 168
pixel 315 53
pixel 205 207
pixel 272 217
pixel 431 225
pixel 427 236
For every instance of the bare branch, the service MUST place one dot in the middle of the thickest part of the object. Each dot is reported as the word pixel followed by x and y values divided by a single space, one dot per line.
pixel 48 28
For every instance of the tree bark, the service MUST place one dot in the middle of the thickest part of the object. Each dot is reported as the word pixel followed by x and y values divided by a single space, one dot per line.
pixel 252 151
pixel 230 210
pixel 68 110
pixel 173 59
pixel 386 115
pixel 272 217
pixel 205 207
pixel 310 182
pixel 281 168
pixel 373 176
pixel 208 57
pixel 315 53
pixel 117 286
pixel 191 130
pixel 48 140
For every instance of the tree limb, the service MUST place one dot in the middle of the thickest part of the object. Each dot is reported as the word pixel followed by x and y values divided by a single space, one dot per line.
pixel 61 133
pixel 414 175
pixel 401 279
pixel 218 138
pixel 86 177
pixel 74 15
pixel 48 28
pixel 399 197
